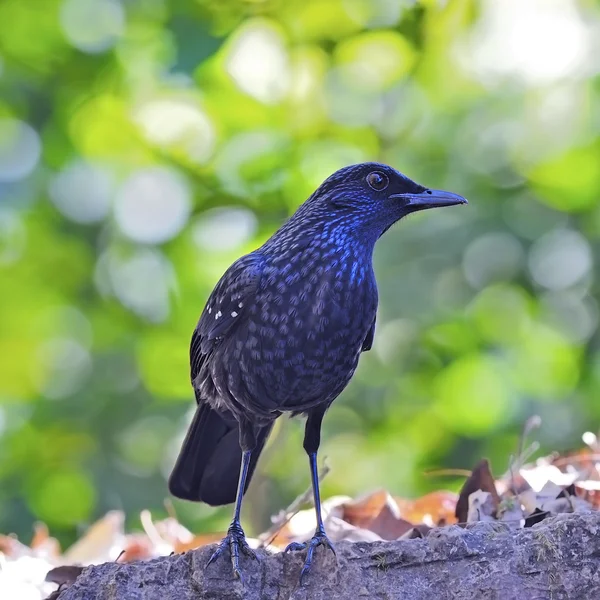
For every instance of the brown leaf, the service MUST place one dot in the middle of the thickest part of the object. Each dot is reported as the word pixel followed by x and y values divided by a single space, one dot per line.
pixel 388 526
pixel 197 541
pixel 480 479
pixel 420 531
pixel 377 512
pixel 42 543
pixel 301 525
pixel 589 491
pixel 12 547
pixel 137 547
pixel 64 575
pixel 430 509
pixel 102 541
pixel 362 511
pixel 339 530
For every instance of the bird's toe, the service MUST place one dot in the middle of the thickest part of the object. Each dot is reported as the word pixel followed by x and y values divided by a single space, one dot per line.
pixel 319 539
pixel 235 540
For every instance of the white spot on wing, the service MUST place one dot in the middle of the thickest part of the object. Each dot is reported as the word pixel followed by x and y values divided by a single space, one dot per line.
pixel 234 314
pixel 240 304
pixel 218 315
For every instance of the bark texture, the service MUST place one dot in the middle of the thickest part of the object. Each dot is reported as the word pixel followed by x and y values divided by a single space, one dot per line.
pixel 557 559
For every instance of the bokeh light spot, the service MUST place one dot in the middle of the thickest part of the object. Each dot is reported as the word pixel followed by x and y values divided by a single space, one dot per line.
pixel 472 395
pixel 179 126
pixel 20 149
pixel 92 26
pixel 153 205
pixel 520 39
pixel 224 228
pixel 560 259
pixel 63 497
pixel 82 191
pixel 492 257
pixel 140 280
pixel 258 62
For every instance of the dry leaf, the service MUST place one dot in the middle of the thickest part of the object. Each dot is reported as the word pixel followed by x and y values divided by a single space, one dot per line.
pixel 528 500
pixel 42 544
pixel 482 507
pixel 535 517
pixel 301 526
pixel 480 479
pixel 339 530
pixel 429 509
pixel 64 575
pixel 388 526
pixel 544 473
pixel 12 547
pixel 364 510
pixel 379 513
pixel 102 542
pixel 198 541
pixel 420 531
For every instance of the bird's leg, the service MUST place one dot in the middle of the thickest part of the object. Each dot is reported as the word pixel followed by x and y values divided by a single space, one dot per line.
pixel 236 538
pixel 312 440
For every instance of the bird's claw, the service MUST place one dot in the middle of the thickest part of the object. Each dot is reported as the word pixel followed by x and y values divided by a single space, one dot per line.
pixel 234 540
pixel 319 539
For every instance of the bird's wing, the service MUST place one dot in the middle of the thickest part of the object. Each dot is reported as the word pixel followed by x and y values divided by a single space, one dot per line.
pixel 368 343
pixel 225 307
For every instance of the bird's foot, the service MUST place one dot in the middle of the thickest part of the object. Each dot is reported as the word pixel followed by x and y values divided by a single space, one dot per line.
pixel 319 539
pixel 235 540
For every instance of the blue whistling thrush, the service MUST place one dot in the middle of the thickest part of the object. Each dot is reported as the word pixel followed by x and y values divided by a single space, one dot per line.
pixel 283 331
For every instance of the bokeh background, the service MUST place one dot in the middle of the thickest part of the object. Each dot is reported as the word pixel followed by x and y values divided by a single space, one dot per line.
pixel 146 144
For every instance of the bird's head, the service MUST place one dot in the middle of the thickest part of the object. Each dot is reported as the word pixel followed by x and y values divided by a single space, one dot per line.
pixel 373 196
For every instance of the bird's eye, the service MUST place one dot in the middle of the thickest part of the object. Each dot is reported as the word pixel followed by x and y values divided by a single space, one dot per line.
pixel 378 180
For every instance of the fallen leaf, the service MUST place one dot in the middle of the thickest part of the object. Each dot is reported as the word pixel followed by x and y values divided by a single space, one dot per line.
pixel 480 479
pixel 64 575
pixel 429 509
pixel 102 542
pixel 339 530
pixel 589 491
pixel 137 546
pixel 42 544
pixel 197 541
pixel 536 517
pixel 364 510
pixel 528 500
pixel 377 512
pixel 420 531
pixel 301 525
pixel 388 526
pixel 482 507
pixel 12 547
pixel 543 473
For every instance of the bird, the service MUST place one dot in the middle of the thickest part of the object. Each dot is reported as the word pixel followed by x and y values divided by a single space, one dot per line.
pixel 282 332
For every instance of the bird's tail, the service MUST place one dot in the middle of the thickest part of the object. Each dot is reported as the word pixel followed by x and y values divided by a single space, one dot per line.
pixel 208 465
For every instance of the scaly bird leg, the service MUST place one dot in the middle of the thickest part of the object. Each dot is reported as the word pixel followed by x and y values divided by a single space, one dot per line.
pixel 235 538
pixel 312 439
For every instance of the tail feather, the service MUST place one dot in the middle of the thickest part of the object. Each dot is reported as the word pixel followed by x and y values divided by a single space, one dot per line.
pixel 208 466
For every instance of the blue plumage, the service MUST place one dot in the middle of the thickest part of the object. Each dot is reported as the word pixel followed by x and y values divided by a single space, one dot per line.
pixel 283 331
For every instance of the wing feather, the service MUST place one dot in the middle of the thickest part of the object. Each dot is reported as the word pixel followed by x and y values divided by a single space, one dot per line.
pixel 226 307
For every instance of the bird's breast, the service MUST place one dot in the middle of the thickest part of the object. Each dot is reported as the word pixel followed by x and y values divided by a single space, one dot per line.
pixel 305 330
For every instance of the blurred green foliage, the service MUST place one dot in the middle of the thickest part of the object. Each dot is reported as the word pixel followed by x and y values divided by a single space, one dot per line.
pixel 146 144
